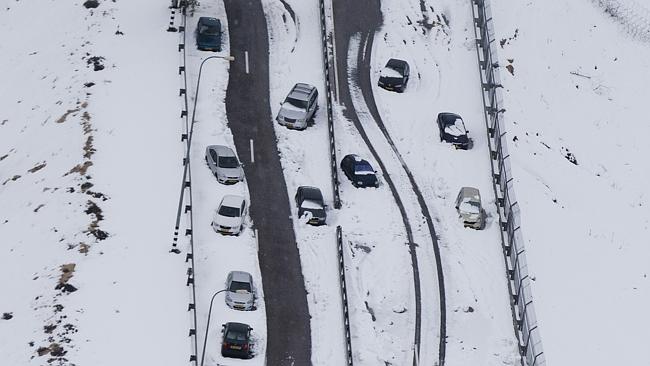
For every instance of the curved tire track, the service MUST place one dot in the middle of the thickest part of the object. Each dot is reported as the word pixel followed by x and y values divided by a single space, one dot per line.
pixel 364 17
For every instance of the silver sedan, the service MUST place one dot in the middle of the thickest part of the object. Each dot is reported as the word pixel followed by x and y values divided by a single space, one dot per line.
pixel 224 164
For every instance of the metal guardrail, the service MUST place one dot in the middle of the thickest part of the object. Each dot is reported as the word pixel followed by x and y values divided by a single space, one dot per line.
pixel 186 184
pixel 344 296
pixel 523 309
pixel 328 94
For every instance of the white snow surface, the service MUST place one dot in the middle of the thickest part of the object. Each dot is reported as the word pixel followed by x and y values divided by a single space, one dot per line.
pixel 579 82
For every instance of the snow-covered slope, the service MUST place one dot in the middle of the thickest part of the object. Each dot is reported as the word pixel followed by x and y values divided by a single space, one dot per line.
pixel 576 93
pixel 87 99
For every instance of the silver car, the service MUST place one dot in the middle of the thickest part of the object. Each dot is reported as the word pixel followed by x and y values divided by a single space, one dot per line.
pixel 299 107
pixel 241 293
pixel 224 164
pixel 470 210
pixel 228 219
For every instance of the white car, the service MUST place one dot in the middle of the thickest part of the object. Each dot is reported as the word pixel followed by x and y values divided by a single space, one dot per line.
pixel 470 210
pixel 241 293
pixel 228 219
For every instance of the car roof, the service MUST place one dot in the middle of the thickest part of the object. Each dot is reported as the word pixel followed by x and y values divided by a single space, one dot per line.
pixel 232 200
pixel 311 193
pixel 449 117
pixel 209 21
pixel 301 91
pixel 470 192
pixel 396 62
pixel 222 150
pixel 241 276
pixel 241 327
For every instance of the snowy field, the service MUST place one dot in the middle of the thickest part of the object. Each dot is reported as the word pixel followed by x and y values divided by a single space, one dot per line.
pixel 575 93
pixel 88 196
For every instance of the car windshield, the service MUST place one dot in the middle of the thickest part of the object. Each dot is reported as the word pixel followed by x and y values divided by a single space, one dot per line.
pixel 391 71
pixel 363 169
pixel 456 128
pixel 235 336
pixel 311 205
pixel 229 211
pixel 228 162
pixel 297 103
pixel 236 286
pixel 471 207
pixel 211 30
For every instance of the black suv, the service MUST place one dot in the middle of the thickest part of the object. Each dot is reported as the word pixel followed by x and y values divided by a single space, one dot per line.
pixel 310 199
pixel 359 171
pixel 452 130
pixel 236 340
pixel 395 75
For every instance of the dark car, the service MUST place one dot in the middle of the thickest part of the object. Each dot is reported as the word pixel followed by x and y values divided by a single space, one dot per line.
pixel 310 200
pixel 236 340
pixel 208 34
pixel 359 171
pixel 452 130
pixel 395 75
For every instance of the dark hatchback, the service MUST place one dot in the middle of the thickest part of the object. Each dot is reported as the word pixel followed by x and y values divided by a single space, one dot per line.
pixel 452 130
pixel 359 171
pixel 310 199
pixel 208 34
pixel 395 75
pixel 236 340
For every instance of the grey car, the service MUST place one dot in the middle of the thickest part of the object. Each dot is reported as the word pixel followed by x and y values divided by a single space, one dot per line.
pixel 299 107
pixel 241 293
pixel 224 164
pixel 309 200
pixel 470 210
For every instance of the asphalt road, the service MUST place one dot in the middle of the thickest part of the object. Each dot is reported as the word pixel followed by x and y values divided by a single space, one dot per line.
pixel 364 17
pixel 250 119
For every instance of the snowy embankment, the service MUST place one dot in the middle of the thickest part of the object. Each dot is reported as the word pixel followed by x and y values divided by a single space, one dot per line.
pixel 87 192
pixel 575 89
pixel 215 254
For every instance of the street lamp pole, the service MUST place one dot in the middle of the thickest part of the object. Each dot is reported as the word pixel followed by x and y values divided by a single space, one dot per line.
pixel 196 93
pixel 207 325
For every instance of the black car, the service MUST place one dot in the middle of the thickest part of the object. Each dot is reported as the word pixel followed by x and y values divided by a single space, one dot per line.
pixel 359 171
pixel 452 130
pixel 395 75
pixel 208 34
pixel 236 340
pixel 310 199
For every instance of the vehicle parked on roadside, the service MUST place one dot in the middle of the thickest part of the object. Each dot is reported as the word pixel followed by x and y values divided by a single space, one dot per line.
pixel 452 130
pixel 470 210
pixel 309 201
pixel 228 218
pixel 241 293
pixel 359 171
pixel 299 107
pixel 224 164
pixel 395 75
pixel 236 340
pixel 208 34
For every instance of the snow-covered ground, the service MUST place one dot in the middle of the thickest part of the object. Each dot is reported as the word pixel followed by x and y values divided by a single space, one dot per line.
pixel 88 196
pixel 444 79
pixel 577 89
pixel 90 168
